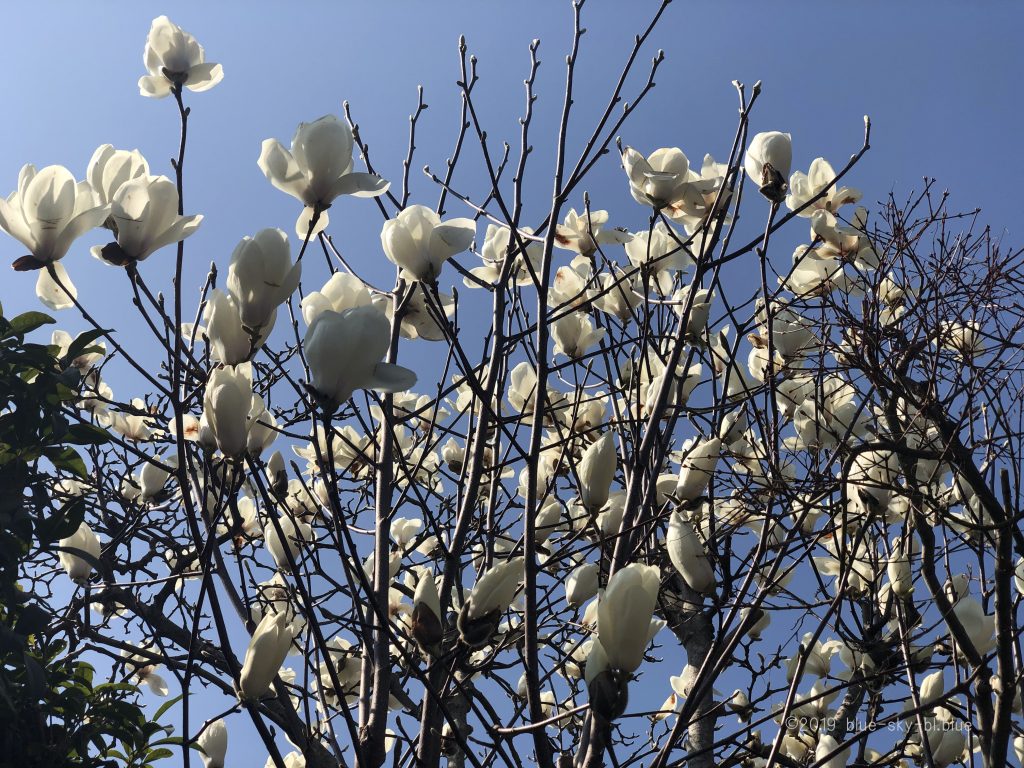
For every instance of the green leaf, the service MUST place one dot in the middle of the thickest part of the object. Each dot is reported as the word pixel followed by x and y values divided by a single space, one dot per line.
pixel 33 620
pixel 84 433
pixel 83 342
pixel 67 458
pixel 61 524
pixel 167 705
pixel 28 322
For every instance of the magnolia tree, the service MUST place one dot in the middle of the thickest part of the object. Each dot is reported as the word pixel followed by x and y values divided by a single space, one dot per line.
pixel 561 493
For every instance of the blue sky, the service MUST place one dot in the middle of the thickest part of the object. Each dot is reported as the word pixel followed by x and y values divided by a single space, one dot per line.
pixel 940 80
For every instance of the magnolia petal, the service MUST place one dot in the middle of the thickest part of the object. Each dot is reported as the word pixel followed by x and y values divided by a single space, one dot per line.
pixel 388 377
pixel 302 223
pixel 182 228
pixel 154 86
pixel 51 293
pixel 281 170
pixel 361 185
pixel 202 77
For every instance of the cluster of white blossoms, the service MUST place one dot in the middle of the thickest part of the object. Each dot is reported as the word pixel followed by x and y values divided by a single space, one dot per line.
pixel 610 377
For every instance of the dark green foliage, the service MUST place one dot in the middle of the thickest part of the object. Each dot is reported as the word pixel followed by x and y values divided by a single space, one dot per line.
pixel 52 713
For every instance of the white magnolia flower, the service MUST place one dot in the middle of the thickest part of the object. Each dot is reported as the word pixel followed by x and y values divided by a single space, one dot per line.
pixel 584 232
pixel 496 249
pixel 85 361
pixel 627 603
pixel 768 161
pixel 419 243
pixel 705 195
pixel 618 295
pixel 134 424
pixel 980 626
pixel 295 533
pixel 803 187
pixel 109 168
pixel 426 611
pixel 495 589
pixel 262 426
pixel 697 467
pixel 597 471
pixel 582 584
pixel 687 554
pixel 664 181
pixel 660 252
pixel 869 484
pixel 77 568
pixel 261 276
pixel 419 317
pixel 265 655
pixel 214 742
pixel 143 669
pixel 277 475
pixel 48 212
pixel 226 404
pixel 317 170
pixel 144 214
pixel 827 744
pixel 574 334
pixel 700 310
pixel 573 284
pixel 342 291
pixel 174 58
pixel 344 351
pixel 657 180
pixel 154 476
pixel 230 342
pixel 404 530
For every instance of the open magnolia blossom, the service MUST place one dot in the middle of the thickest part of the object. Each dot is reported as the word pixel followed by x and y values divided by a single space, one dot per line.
pixel 110 168
pixel 48 212
pixel 419 243
pixel 574 334
pixel 585 232
pixel 144 217
pixel 142 668
pixel 820 179
pixel 174 59
pixel 345 351
pixel 499 245
pixel 317 170
pixel 661 252
pixel 665 182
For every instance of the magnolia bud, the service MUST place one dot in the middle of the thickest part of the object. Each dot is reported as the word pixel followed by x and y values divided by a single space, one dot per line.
pixel 427 627
pixel 596 472
pixel 768 161
pixel 77 568
pixel 277 476
pixel 265 655
pixel 214 742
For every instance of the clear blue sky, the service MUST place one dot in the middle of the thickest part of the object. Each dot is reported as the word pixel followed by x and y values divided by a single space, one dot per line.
pixel 940 80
